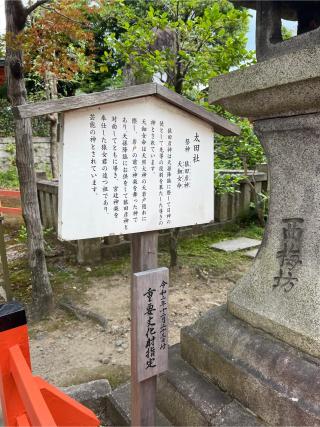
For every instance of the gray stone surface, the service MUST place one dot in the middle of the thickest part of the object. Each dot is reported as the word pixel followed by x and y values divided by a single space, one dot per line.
pixel 267 297
pixel 238 244
pixel 93 395
pixel 279 383
pixel 252 253
pixel 41 152
pixel 287 85
pixel 118 408
pixel 187 399
pixel 269 41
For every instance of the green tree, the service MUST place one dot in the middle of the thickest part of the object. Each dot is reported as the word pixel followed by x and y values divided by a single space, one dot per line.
pixel 183 43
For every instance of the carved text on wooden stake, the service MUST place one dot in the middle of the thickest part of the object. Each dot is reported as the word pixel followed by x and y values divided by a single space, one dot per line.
pixel 150 300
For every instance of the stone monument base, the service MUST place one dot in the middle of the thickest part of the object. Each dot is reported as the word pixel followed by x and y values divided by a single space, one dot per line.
pixel 274 380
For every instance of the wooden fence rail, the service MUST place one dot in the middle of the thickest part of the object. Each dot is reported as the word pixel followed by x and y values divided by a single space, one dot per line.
pixel 227 208
pixel 10 195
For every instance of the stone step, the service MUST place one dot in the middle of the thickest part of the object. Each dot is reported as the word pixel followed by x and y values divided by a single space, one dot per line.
pixel 118 408
pixel 187 399
pixel 279 383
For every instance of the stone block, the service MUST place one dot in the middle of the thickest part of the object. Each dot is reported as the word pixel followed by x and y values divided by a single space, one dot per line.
pixel 252 253
pixel 118 408
pixel 93 395
pixel 287 85
pixel 188 399
pixel 277 382
pixel 238 244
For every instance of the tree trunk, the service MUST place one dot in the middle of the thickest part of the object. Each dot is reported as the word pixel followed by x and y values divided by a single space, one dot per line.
pixel 16 16
pixel 52 93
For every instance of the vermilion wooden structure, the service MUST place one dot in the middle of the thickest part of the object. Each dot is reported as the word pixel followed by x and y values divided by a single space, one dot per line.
pixel 10 194
pixel 27 400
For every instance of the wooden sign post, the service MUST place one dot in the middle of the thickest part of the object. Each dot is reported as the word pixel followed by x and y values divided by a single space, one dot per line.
pixel 144 256
pixel 134 161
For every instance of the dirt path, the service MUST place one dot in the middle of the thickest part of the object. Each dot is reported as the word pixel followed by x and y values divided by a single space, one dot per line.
pixel 67 351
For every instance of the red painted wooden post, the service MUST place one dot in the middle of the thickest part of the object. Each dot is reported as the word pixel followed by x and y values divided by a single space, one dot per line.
pixel 27 400
pixel 13 331
pixel 31 397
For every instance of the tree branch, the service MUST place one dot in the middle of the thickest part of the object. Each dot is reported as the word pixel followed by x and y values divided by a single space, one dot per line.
pixel 52 9
pixel 34 6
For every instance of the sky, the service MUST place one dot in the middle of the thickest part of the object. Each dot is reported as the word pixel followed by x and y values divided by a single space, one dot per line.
pixel 251 34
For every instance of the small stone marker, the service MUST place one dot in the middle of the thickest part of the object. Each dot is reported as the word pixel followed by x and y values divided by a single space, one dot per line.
pixel 150 297
pixel 236 244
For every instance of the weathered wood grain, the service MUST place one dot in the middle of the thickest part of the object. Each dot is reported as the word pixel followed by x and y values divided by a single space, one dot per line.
pixel 220 125
pixel 142 282
pixel 144 256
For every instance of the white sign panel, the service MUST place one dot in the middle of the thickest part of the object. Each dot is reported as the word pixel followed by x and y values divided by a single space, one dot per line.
pixel 134 166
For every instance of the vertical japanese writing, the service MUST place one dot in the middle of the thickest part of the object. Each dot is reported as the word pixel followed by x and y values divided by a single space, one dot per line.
pixel 290 255
pixel 93 139
pixel 114 147
pixel 151 330
pixel 153 146
pixel 187 145
pixel 163 315
pixel 196 148
pixel 134 173
pixel 125 173
pixel 169 174
pixel 104 164
pixel 115 195
pixel 144 170
pixel 161 167
pixel 180 174
pixel 187 173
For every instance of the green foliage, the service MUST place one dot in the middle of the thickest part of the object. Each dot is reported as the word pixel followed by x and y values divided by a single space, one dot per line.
pixel 226 182
pixel 286 33
pixel 9 178
pixel 22 234
pixel 184 43
pixel 6 119
pixel 40 125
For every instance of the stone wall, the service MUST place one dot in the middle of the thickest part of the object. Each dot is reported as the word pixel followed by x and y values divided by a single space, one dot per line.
pixel 41 152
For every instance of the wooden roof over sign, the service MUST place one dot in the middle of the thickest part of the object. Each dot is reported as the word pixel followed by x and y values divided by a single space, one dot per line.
pixel 220 125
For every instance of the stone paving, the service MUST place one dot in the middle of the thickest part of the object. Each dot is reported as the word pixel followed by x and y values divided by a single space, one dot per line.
pixel 238 244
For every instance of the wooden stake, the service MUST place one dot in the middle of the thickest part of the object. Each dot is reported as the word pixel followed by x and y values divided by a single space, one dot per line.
pixel 4 263
pixel 144 256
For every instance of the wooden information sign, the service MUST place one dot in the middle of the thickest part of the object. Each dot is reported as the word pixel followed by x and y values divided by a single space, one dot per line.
pixel 133 166
pixel 136 160
pixel 150 299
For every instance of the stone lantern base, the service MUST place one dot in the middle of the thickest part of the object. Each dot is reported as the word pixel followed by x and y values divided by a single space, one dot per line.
pixel 280 384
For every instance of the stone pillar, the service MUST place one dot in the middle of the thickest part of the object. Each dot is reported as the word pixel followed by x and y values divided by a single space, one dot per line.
pixel 281 293
pixel 89 251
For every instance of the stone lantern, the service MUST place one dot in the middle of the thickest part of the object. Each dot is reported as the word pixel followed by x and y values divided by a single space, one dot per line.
pixel 264 348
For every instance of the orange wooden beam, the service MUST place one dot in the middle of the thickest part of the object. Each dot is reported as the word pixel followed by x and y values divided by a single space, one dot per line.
pixel 10 194
pixel 10 211
pixel 23 421
pixel 65 410
pixel 33 401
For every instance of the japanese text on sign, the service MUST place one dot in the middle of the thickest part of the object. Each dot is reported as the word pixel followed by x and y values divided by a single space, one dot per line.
pixel 127 170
